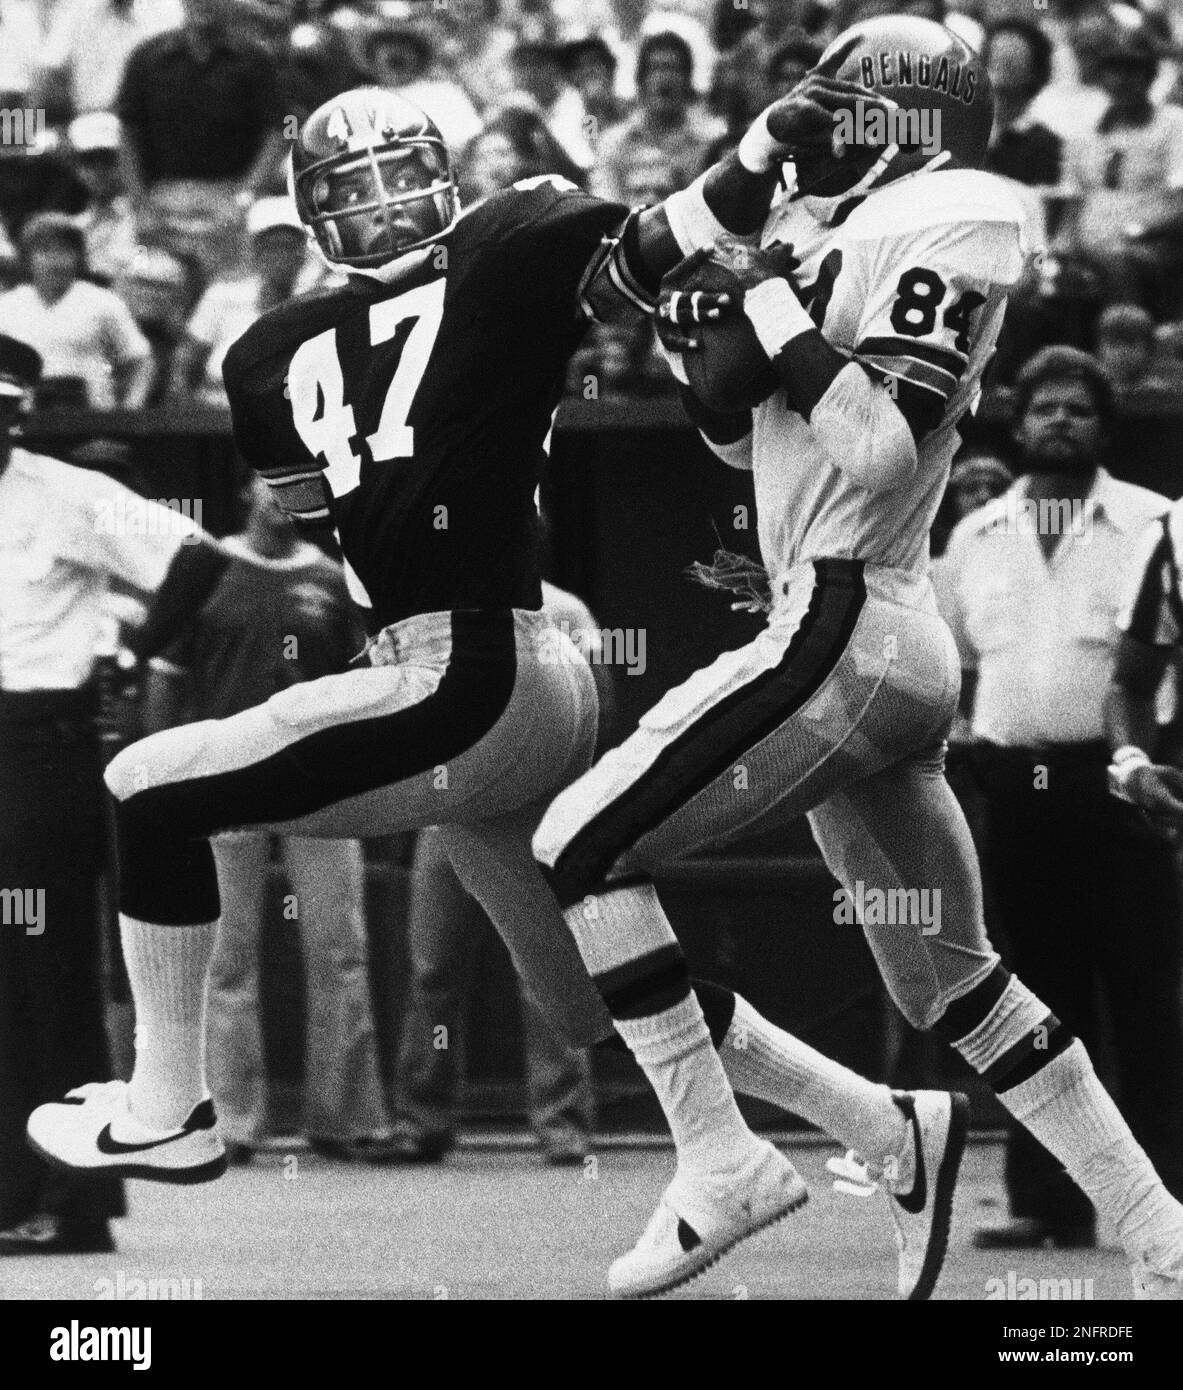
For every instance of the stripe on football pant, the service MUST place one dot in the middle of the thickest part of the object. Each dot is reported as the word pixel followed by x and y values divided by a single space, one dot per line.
pixel 725 731
pixel 948 361
pixel 296 774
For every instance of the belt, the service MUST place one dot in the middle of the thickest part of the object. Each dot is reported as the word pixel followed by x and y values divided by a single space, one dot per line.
pixel 37 706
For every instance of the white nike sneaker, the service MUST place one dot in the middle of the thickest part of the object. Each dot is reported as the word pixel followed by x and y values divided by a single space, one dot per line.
pixel 1149 1284
pixel 93 1130
pixel 923 1215
pixel 701 1217
pixel 1158 1272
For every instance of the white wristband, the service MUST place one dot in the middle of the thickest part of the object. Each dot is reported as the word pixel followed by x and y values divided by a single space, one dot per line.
pixel 691 221
pixel 757 150
pixel 776 314
pixel 1129 753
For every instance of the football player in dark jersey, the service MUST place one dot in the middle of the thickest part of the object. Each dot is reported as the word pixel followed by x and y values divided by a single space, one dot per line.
pixel 404 416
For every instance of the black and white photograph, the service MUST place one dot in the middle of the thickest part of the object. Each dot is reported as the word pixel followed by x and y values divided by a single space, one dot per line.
pixel 591 667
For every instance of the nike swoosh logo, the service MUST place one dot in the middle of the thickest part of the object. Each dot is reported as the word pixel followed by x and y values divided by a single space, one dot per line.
pixel 688 1237
pixel 915 1201
pixel 108 1144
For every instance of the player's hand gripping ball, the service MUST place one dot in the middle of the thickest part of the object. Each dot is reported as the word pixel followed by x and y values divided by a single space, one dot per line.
pixel 700 318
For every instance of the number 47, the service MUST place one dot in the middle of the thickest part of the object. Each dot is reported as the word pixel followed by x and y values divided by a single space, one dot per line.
pixel 323 418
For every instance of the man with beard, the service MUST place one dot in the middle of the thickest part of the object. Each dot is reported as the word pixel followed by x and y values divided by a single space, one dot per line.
pixel 1031 586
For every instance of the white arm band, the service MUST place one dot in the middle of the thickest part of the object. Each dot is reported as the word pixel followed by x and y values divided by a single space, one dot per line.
pixel 776 314
pixel 864 432
pixel 693 224
pixel 757 150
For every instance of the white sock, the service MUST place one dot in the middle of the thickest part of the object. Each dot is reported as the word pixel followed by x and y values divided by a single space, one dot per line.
pixel 1067 1109
pixel 167 968
pixel 675 1051
pixel 626 941
pixel 765 1061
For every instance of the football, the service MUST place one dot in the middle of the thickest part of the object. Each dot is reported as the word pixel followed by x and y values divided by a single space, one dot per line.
pixel 729 370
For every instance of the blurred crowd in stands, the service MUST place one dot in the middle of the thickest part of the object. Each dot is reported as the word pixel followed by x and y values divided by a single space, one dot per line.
pixel 144 221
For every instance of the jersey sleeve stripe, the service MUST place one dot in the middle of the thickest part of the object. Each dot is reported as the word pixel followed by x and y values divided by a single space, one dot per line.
pixel 948 361
pixel 623 279
pixel 311 514
pixel 934 379
pixel 289 479
pixel 609 271
pixel 299 496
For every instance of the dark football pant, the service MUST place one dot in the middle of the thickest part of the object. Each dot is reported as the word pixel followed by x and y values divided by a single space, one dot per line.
pixel 1088 896
pixel 52 839
pixel 468 720
pixel 839 709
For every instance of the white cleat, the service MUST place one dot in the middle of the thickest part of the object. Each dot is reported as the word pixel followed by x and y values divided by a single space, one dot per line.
pixel 700 1218
pixel 93 1130
pixel 1158 1273
pixel 923 1215
pixel 1150 1285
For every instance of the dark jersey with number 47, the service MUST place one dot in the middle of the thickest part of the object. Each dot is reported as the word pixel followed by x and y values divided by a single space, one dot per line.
pixel 412 418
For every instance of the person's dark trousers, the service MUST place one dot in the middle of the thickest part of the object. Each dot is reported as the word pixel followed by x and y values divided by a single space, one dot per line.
pixel 446 937
pixel 1089 900
pixel 52 1036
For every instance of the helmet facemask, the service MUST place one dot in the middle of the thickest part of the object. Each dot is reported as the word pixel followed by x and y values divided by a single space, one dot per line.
pixel 367 208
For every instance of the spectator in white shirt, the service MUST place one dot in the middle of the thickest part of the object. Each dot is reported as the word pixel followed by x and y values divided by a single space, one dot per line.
pixel 399 54
pixel 83 332
pixel 538 75
pixel 108 223
pixel 89 42
pixel 1127 174
pixel 668 118
pixel 161 291
pixel 229 307
pixel 1032 586
pixel 67 535
pixel 20 51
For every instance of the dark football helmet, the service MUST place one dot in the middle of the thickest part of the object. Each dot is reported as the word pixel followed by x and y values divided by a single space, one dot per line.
pixel 372 179
pixel 922 68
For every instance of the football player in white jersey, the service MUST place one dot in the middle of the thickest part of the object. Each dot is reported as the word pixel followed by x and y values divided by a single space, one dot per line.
pixel 877 341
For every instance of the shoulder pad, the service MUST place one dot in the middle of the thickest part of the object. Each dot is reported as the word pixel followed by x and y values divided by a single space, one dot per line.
pixel 931 200
pixel 503 212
